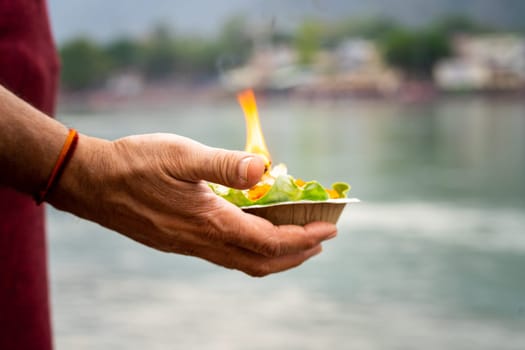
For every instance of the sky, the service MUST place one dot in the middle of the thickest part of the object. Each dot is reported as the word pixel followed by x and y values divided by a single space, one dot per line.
pixel 104 20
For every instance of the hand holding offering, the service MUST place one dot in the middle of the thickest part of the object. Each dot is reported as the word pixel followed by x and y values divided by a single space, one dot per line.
pixel 279 197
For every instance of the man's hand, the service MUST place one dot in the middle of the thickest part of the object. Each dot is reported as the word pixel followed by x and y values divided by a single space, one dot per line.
pixel 152 188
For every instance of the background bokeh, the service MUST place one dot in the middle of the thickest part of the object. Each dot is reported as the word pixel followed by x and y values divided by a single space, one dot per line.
pixel 419 105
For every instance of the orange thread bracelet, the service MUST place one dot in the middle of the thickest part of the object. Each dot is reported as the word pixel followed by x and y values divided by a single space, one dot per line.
pixel 63 158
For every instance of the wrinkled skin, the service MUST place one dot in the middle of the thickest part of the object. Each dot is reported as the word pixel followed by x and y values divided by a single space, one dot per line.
pixel 152 188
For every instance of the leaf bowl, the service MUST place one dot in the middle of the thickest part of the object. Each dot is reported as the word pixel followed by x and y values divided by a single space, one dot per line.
pixel 301 212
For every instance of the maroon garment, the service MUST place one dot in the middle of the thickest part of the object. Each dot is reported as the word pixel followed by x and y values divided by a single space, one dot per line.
pixel 28 67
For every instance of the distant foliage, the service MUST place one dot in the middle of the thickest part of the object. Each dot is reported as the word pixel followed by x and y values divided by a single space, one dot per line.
pixel 159 57
pixel 415 52
pixel 235 39
pixel 84 64
pixel 308 39
pixel 164 54
pixel 124 53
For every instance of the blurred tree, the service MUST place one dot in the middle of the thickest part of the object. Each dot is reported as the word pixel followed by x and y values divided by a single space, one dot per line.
pixel 279 36
pixel 197 57
pixel 159 56
pixel 308 40
pixel 415 52
pixel 234 39
pixel 124 53
pixel 84 64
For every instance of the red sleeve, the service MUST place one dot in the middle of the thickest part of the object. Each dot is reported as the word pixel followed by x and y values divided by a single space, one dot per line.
pixel 28 67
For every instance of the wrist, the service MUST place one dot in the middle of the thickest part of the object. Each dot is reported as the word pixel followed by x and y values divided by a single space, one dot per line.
pixel 63 158
pixel 79 189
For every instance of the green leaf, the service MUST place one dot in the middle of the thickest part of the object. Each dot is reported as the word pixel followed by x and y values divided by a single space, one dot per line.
pixel 341 188
pixel 238 198
pixel 314 191
pixel 283 190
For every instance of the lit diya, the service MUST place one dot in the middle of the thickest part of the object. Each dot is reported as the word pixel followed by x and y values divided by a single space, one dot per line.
pixel 279 197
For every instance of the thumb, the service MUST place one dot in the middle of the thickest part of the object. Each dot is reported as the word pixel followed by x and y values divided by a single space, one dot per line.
pixel 229 168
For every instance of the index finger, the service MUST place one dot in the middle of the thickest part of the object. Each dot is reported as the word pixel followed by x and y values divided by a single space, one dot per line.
pixel 261 236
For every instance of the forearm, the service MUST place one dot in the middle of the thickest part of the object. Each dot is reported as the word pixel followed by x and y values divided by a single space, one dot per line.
pixel 30 142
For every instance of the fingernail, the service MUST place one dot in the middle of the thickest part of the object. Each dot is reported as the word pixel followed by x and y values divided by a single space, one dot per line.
pixel 243 168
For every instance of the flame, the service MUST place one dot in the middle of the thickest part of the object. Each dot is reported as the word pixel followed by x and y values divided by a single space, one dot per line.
pixel 254 136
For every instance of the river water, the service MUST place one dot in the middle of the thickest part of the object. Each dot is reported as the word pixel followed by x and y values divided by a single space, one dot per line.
pixel 432 258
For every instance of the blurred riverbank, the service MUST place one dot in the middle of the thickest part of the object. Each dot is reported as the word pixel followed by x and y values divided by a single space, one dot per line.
pixel 164 95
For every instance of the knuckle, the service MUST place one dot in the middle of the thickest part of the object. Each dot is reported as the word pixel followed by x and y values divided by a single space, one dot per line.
pixel 222 167
pixel 181 160
pixel 208 228
pixel 272 247
pixel 211 225
pixel 230 262
pixel 260 270
pixel 310 242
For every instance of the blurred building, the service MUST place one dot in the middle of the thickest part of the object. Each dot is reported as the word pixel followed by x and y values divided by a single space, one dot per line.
pixel 490 62
pixel 269 68
pixel 125 84
pixel 354 67
pixel 360 69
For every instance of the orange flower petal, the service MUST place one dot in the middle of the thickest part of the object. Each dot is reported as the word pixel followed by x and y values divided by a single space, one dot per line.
pixel 300 182
pixel 332 193
pixel 258 191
